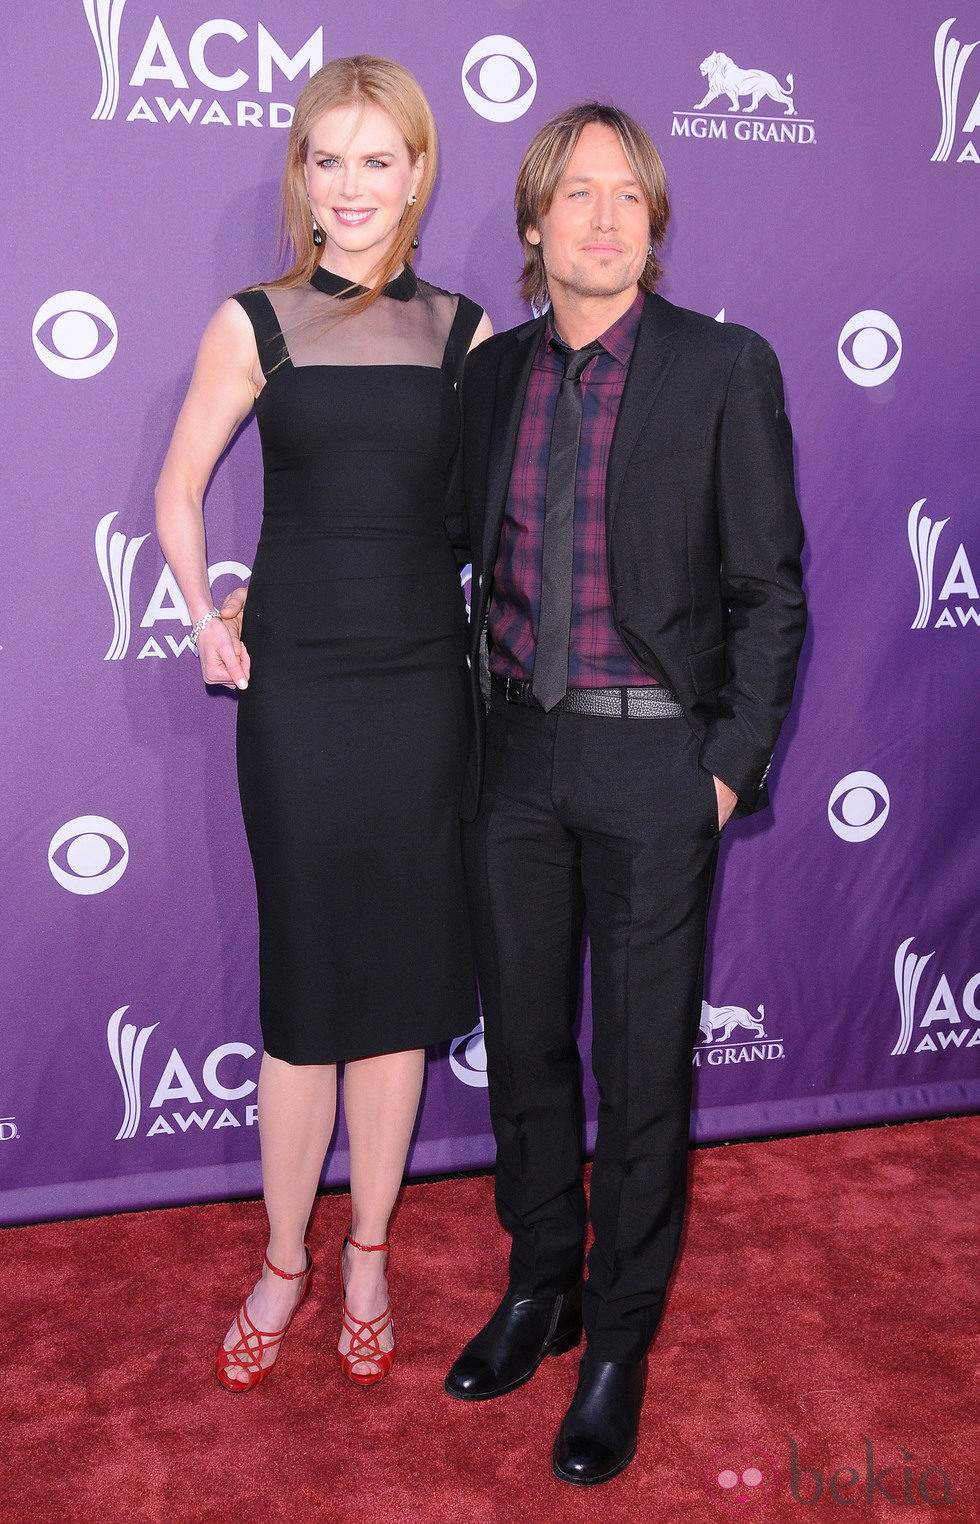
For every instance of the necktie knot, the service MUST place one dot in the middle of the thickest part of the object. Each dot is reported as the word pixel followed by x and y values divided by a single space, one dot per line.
pixel 575 360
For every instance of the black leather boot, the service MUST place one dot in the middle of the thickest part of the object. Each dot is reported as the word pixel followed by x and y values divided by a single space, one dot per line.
pixel 597 1438
pixel 508 1351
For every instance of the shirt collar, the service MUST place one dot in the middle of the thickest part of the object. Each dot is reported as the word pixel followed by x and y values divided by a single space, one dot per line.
pixel 618 340
pixel 402 288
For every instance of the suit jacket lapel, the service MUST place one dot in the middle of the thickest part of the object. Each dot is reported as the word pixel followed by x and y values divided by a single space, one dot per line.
pixel 510 388
pixel 653 357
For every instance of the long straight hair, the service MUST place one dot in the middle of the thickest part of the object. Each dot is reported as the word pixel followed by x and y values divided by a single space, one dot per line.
pixel 546 161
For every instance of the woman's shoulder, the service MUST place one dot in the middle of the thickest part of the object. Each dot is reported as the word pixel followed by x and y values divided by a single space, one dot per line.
pixel 250 295
pixel 463 314
pixel 254 300
pixel 436 293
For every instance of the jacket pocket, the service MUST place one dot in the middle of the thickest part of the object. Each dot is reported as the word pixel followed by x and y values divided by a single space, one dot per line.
pixel 707 669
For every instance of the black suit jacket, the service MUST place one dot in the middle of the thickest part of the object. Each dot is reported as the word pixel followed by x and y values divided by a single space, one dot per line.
pixel 703 530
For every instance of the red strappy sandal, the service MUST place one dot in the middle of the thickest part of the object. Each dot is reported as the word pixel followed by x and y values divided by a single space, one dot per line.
pixel 246 1354
pixel 365 1347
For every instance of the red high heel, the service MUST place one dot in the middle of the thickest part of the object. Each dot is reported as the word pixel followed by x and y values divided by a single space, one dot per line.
pixel 365 1337
pixel 246 1354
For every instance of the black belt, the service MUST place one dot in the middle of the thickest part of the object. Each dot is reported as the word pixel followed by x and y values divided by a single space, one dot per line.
pixel 655 702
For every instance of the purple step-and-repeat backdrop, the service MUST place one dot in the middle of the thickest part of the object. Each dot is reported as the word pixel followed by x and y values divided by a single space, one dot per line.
pixel 825 167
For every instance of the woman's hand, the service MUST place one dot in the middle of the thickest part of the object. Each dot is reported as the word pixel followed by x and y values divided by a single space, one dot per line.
pixel 224 660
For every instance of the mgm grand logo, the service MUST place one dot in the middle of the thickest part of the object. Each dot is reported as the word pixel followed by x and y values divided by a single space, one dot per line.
pixel 719 1044
pixel 746 91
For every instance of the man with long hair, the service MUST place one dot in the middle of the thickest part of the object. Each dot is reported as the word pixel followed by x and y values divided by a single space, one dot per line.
pixel 637 614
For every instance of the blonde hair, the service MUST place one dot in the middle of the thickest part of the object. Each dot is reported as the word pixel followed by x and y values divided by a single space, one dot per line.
pixel 546 161
pixel 362 79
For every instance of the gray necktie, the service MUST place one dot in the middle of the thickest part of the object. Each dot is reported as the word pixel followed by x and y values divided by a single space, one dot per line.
pixel 550 678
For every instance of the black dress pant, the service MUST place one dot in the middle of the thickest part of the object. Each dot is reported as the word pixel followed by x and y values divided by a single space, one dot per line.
pixel 612 822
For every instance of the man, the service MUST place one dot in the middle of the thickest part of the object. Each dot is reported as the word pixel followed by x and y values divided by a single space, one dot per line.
pixel 637 602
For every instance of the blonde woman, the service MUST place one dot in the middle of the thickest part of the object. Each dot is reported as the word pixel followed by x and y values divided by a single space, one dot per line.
pixel 351 676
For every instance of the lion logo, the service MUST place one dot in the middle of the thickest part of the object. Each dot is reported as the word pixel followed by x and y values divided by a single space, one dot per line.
pixel 726 78
pixel 720 1021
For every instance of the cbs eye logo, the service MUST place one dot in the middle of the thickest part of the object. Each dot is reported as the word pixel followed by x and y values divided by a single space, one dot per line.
pixel 88 855
pixel 869 348
pixel 858 807
pixel 502 87
pixel 81 335
pixel 468 1058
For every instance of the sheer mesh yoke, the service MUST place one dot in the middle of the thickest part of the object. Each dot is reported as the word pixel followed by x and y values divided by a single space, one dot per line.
pixel 318 329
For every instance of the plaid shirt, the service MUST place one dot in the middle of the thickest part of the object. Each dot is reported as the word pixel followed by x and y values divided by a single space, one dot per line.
pixel 597 657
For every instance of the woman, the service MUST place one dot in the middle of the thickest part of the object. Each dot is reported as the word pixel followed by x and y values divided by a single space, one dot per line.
pixel 351 723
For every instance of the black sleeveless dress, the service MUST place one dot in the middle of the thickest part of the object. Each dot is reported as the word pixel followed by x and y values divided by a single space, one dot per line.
pixel 352 734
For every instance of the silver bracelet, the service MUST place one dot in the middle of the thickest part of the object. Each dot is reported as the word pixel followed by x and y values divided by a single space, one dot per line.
pixel 199 626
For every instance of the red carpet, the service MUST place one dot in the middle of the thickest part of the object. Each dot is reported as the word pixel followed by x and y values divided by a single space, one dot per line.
pixel 827 1294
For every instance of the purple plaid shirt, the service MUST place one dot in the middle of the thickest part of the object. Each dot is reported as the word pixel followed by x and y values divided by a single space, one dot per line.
pixel 597 657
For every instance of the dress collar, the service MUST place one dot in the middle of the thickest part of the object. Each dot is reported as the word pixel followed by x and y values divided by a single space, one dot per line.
pixel 402 288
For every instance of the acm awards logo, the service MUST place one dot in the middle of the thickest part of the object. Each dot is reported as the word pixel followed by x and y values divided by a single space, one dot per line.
pixel 746 91
pixel 116 554
pixel 942 1013
pixel 214 56
pixel 720 1047
pixel 958 593
pixel 951 58
pixel 175 1083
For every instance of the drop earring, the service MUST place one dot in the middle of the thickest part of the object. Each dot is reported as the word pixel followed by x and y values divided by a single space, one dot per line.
pixel 317 234
pixel 415 241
